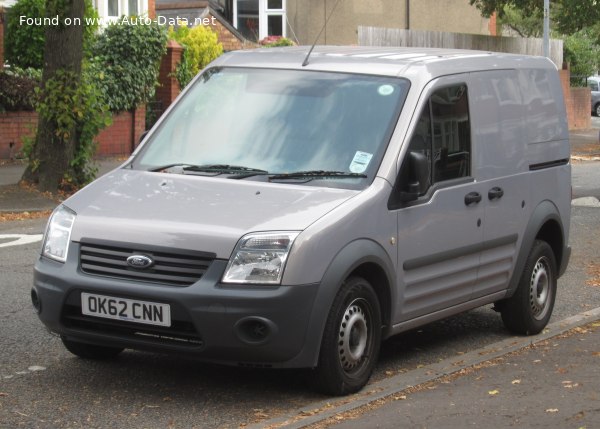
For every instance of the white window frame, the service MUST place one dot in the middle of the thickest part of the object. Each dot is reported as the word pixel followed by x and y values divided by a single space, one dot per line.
pixel 263 17
pixel 123 9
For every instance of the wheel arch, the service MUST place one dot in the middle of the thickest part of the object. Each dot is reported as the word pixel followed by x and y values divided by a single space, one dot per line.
pixel 544 224
pixel 362 257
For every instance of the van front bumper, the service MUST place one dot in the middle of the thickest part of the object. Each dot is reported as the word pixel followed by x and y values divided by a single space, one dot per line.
pixel 230 324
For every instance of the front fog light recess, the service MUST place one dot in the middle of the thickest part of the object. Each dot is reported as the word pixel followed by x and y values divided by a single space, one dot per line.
pixel 58 234
pixel 259 258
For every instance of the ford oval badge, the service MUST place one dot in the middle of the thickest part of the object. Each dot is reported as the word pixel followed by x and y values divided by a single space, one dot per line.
pixel 140 261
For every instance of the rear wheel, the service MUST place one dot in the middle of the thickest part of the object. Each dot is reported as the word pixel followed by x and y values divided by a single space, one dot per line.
pixel 351 339
pixel 528 311
pixel 90 351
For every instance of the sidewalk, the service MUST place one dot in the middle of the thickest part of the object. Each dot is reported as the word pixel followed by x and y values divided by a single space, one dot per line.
pixel 552 384
pixel 17 199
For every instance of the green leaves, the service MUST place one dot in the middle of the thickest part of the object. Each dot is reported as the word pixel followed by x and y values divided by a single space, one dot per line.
pixel 201 47
pixel 125 61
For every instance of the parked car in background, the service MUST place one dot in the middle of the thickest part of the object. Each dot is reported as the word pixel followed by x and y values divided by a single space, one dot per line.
pixel 594 84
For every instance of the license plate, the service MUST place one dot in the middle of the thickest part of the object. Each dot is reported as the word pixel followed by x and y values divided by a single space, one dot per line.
pixel 129 310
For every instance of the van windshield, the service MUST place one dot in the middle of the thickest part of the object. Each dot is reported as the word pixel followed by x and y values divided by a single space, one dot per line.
pixel 279 124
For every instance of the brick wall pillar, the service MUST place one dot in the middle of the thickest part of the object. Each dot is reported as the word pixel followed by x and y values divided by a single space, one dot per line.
pixel 577 102
pixel 168 88
pixel 152 9
pixel 493 25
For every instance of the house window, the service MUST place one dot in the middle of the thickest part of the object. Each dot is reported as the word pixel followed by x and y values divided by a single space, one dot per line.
pixel 133 8
pixel 113 8
pixel 257 19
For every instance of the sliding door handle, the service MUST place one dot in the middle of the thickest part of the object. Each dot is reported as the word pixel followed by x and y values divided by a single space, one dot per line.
pixel 495 193
pixel 472 198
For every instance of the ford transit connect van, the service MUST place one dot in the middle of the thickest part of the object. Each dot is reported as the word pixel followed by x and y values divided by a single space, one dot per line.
pixel 290 215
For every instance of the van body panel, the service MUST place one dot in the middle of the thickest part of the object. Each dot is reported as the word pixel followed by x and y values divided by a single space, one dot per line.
pixel 363 217
pixel 126 205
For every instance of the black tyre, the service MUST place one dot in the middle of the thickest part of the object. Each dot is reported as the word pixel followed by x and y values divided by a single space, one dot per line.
pixel 597 109
pixel 528 311
pixel 351 339
pixel 90 351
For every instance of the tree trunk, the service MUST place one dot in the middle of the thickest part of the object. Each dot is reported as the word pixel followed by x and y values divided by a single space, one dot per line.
pixel 63 52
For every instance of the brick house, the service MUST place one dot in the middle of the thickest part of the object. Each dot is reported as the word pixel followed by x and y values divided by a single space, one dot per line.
pixel 301 20
pixel 202 13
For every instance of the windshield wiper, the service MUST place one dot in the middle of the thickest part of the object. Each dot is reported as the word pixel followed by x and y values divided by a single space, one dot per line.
pixel 214 168
pixel 317 173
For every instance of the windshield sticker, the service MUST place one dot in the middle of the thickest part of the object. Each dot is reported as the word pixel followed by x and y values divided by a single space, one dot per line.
pixel 385 90
pixel 360 162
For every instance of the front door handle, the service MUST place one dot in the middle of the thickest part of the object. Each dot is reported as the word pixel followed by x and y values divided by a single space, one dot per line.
pixel 495 193
pixel 472 198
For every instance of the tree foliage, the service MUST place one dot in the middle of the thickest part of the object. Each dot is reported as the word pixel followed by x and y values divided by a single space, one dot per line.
pixel 125 63
pixel 24 44
pixel 201 46
pixel 568 16
pixel 582 54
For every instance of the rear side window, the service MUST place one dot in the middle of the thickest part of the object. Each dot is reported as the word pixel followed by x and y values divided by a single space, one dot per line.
pixel 443 134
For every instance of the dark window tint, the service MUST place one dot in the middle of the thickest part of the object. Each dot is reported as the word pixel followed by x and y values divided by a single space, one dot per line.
pixel 451 133
pixel 442 136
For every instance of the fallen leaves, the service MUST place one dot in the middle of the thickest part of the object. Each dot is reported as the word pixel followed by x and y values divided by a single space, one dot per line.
pixel 515 382
pixel 552 410
pixel 593 271
pixel 493 392
pixel 8 217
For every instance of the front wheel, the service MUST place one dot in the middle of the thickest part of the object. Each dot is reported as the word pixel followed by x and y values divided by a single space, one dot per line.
pixel 528 311
pixel 351 339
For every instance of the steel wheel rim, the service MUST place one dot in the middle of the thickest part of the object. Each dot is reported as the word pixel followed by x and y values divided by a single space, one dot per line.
pixel 354 336
pixel 540 292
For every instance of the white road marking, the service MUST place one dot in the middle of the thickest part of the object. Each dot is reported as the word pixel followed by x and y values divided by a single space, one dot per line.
pixel 19 239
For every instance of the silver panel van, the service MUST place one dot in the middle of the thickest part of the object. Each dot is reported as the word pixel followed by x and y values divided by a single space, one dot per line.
pixel 283 214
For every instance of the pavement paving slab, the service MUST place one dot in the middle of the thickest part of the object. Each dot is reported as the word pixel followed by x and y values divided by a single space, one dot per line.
pixel 552 384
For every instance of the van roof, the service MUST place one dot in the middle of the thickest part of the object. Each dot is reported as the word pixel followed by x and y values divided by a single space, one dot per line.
pixel 426 63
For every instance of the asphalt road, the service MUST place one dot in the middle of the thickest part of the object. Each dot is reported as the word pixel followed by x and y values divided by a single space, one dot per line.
pixel 42 385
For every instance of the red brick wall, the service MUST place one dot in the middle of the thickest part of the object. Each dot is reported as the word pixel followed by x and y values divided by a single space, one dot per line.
pixel 577 102
pixel 14 126
pixel 152 9
pixel 119 139
pixel 168 88
pixel 124 133
pixel 229 41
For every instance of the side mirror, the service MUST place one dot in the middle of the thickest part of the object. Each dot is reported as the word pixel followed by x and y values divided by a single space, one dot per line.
pixel 417 178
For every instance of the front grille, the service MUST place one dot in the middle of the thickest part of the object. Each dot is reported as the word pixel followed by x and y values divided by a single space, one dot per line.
pixel 176 268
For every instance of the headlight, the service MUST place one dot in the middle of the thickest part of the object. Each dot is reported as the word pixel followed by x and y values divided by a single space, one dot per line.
pixel 259 258
pixel 58 234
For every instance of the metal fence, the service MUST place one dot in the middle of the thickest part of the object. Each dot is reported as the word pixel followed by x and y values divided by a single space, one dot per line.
pixel 376 36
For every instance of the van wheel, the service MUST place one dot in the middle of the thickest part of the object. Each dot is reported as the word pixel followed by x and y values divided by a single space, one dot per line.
pixel 351 339
pixel 597 109
pixel 528 311
pixel 90 351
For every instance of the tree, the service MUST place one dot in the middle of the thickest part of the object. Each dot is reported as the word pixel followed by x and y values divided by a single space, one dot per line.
pixel 568 16
pixel 55 143
pixel 25 43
